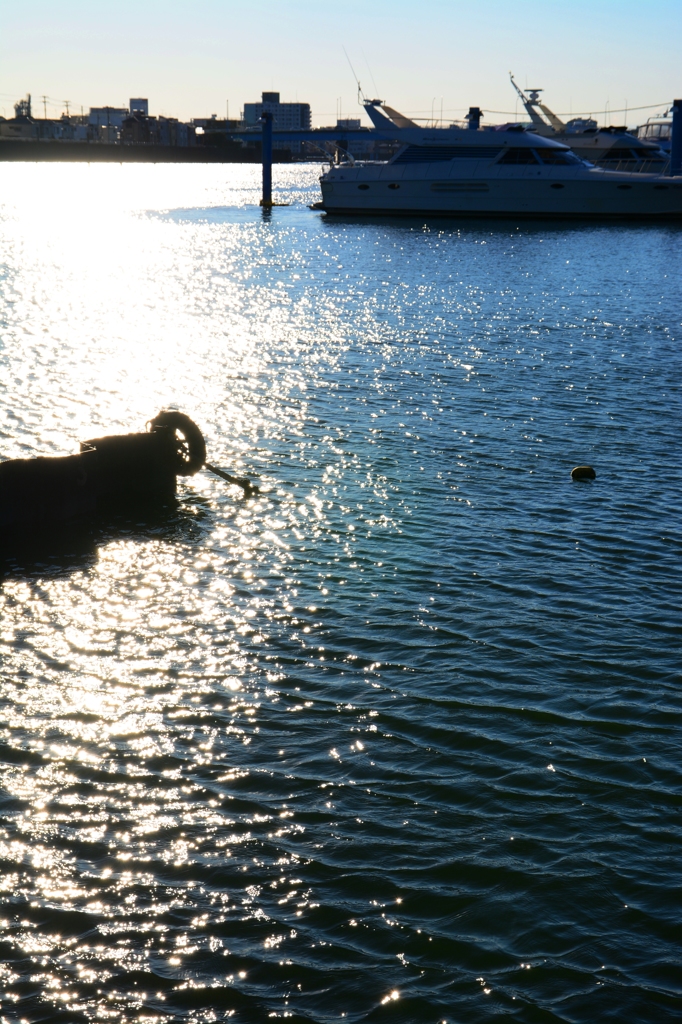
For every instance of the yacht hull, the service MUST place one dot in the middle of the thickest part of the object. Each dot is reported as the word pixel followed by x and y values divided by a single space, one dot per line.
pixel 585 193
pixel 339 211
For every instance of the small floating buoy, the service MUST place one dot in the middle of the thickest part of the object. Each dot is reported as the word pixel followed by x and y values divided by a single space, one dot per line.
pixel 583 473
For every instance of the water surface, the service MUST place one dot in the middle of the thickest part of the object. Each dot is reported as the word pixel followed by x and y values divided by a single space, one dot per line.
pixel 399 739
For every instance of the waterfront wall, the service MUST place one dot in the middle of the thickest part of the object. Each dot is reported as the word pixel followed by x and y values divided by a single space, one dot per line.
pixel 86 152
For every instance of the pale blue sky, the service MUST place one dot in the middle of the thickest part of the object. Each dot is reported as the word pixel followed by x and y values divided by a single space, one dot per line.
pixel 189 58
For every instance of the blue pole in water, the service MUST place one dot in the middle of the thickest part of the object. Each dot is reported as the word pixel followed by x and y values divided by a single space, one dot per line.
pixel 676 140
pixel 266 157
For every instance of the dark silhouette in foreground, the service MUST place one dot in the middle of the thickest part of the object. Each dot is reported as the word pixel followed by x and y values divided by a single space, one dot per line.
pixel 109 475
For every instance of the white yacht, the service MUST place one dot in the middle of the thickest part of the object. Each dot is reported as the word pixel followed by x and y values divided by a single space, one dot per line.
pixel 613 148
pixel 657 129
pixel 489 172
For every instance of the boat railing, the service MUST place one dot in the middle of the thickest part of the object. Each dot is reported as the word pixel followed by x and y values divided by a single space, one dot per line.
pixel 637 166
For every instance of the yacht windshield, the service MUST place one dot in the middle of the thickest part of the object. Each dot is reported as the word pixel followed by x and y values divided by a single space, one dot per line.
pixel 558 156
pixel 429 154
pixel 656 131
pixel 618 153
pixel 519 156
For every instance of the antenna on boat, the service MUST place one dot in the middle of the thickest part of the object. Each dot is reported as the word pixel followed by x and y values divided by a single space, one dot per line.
pixel 360 92
pixel 531 101
pixel 376 91
pixel 522 95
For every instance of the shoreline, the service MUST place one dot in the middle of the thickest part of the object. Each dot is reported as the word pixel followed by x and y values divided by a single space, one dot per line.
pixel 97 152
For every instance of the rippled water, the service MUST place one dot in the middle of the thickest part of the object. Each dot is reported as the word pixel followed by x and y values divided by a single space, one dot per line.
pixel 399 739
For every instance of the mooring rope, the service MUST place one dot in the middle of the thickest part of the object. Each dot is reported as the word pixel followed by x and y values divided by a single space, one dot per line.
pixel 240 481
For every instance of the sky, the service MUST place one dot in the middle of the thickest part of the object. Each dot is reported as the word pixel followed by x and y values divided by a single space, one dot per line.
pixel 194 59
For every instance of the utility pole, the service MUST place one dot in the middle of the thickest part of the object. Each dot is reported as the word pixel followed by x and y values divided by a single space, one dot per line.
pixel 66 102
pixel 45 107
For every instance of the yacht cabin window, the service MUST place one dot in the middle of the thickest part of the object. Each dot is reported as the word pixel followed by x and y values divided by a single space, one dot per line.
pixel 519 156
pixel 544 156
pixel 558 156
pixel 431 154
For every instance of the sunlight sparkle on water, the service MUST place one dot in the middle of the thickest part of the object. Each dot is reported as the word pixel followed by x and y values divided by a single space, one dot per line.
pixel 266 757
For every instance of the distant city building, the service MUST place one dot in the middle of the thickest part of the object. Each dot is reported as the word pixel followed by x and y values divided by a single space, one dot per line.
pixel 139 130
pixel 26 128
pixel 360 149
pixel 19 128
pixel 206 122
pixel 175 133
pixel 132 126
pixel 107 117
pixel 215 124
pixel 285 116
pixel 22 125
pixel 75 129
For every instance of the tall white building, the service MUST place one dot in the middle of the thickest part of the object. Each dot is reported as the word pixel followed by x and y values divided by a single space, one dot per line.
pixel 285 116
